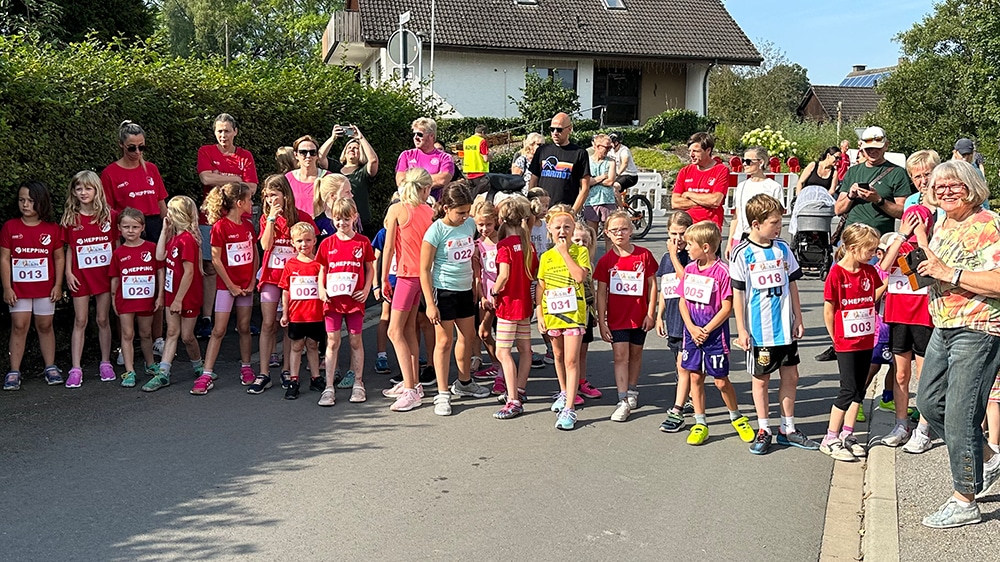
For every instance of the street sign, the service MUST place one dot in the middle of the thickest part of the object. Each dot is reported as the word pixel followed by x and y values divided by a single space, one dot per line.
pixel 404 18
pixel 408 42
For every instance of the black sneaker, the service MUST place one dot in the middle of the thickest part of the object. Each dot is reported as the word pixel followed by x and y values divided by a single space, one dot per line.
pixel 259 385
pixel 762 443
pixel 537 361
pixel 286 379
pixel 427 376
pixel 317 384
pixel 828 355
pixel 673 423
pixel 203 329
pixel 688 409
pixel 396 379
pixel 293 390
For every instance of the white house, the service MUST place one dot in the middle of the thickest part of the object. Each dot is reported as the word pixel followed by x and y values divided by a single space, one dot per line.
pixel 636 57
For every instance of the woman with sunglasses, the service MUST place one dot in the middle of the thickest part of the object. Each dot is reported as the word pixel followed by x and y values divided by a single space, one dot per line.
pixel 821 172
pixel 303 179
pixel 756 183
pixel 131 181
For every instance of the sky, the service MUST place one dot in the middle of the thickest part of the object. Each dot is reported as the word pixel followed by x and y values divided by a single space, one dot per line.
pixel 828 38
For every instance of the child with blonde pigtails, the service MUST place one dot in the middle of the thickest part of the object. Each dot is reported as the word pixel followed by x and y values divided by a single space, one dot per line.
pixel 484 270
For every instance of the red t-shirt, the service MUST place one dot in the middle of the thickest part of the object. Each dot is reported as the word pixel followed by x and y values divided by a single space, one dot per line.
pixel 712 180
pixel 182 248
pixel 33 268
pixel 239 247
pixel 627 278
pixel 843 165
pixel 853 298
pixel 514 302
pixel 301 280
pixel 90 248
pixel 903 305
pixel 135 267
pixel 240 163
pixel 273 262
pixel 140 188
pixel 344 261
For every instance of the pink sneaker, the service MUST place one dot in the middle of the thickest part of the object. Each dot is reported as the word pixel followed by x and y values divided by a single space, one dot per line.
pixel 588 390
pixel 75 378
pixel 499 385
pixel 406 402
pixel 578 400
pixel 486 373
pixel 247 375
pixel 202 385
pixel 107 372
pixel 397 390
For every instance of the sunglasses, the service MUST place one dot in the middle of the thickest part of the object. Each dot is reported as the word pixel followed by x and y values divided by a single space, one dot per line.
pixel 748 161
pixel 134 147
pixel 418 134
pixel 307 153
pixel 556 129
pixel 875 139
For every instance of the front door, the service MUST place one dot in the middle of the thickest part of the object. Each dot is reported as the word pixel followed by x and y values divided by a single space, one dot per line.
pixel 619 91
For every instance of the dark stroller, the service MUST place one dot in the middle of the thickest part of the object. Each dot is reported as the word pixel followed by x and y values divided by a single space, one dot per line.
pixel 810 225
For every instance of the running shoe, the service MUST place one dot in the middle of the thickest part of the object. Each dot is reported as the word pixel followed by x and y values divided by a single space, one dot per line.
pixel 486 373
pixel 75 378
pixel 537 361
pixel 673 423
pixel 990 477
pixel 292 392
pixel 254 329
pixel 397 390
pixel 520 396
pixel 317 384
pixel 914 415
pixel 107 372
pixel 549 358
pixel 476 363
pixel 919 443
pixel 797 439
pixel 247 375
pixel 509 410
pixel 951 515
pixel 470 389
pixel 889 406
pixel 588 390
pixel 381 365
pixel 900 435
pixel 828 355
pixel 202 385
pixel 347 381
pixel 286 378
pixel 121 357
pixel 12 381
pixel 328 397
pixel 499 385
pixel 861 414
pixel 622 412
pixel 260 384
pixel 358 393
pixel 688 409
pixel 274 361
pixel 856 449
pixel 559 404
pixel 158 381
pixel 698 434
pixel 158 346
pixel 835 449
pixel 743 429
pixel 761 443
pixel 566 419
pixel 53 375
pixel 442 404
pixel 406 402
pixel 633 399
pixel 128 379
pixel 203 329
pixel 427 376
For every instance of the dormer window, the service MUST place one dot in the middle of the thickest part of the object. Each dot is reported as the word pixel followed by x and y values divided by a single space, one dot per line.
pixel 526 2
pixel 614 4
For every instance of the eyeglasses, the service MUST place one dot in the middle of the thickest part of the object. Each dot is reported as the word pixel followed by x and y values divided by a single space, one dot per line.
pixel 617 230
pixel 134 147
pixel 949 188
pixel 556 129
pixel 418 134
pixel 308 153
pixel 607 146
pixel 875 139
pixel 748 161
pixel 924 176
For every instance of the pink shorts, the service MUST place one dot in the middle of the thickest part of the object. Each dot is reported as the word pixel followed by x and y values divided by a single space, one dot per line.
pixel 224 301
pixel 566 332
pixel 406 295
pixel 269 292
pixel 41 307
pixel 334 321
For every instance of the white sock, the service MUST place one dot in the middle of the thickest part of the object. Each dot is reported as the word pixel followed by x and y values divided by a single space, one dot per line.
pixel 787 424
pixel 734 415
pixel 764 423
pixel 996 448
pixel 992 463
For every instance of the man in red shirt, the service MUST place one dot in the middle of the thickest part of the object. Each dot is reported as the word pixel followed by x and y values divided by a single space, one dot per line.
pixel 701 187
pixel 845 159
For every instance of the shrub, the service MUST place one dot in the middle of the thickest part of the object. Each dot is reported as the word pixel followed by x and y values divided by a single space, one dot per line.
pixel 772 140
pixel 675 125
pixel 544 97
pixel 650 159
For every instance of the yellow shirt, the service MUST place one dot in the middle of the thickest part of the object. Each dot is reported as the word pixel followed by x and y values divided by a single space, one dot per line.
pixel 564 300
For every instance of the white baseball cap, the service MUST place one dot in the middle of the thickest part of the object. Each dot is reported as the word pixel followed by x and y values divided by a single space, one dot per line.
pixel 873 137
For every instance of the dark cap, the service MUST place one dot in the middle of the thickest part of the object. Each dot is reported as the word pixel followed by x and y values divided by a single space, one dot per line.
pixel 615 138
pixel 964 147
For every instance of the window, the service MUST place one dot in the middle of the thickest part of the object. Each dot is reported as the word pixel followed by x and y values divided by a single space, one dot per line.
pixel 526 2
pixel 562 71
pixel 614 4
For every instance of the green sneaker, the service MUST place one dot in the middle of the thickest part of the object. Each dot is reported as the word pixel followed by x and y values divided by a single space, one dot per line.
pixel 199 368
pixel 152 370
pixel 128 379
pixel 347 381
pixel 914 415
pixel 156 383
pixel 861 414
pixel 889 406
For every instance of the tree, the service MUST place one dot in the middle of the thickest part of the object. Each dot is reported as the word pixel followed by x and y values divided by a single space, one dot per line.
pixel 541 98
pixel 108 18
pixel 38 18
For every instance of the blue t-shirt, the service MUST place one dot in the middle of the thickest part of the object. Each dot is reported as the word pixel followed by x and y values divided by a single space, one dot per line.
pixel 668 286
pixel 452 270
pixel 325 226
pixel 378 243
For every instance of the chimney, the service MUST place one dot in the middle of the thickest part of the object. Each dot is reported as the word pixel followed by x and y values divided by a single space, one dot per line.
pixel 858 68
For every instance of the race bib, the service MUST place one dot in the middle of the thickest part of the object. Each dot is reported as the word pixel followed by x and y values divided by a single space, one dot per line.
pixel 669 284
pixel 93 255
pixel 899 284
pixel 280 255
pixel 341 283
pixel 559 301
pixel 239 253
pixel 628 283
pixel 139 286
pixel 303 288
pixel 767 274
pixel 30 270
pixel 490 261
pixel 698 288
pixel 392 266
pixel 459 249
pixel 859 322
pixel 168 280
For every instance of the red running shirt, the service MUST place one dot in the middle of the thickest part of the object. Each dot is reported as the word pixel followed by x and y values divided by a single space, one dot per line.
pixel 135 267
pixel 140 188
pixel 514 302
pixel 712 180
pixel 853 298
pixel 182 248
pixel 238 245
pixel 90 248
pixel 33 268
pixel 344 261
pixel 273 261
pixel 627 279
pixel 301 280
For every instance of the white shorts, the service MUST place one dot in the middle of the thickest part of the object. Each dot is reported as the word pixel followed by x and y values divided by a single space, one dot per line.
pixel 41 307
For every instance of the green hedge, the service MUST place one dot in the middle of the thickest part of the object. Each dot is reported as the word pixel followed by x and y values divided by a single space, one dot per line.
pixel 60 110
pixel 671 126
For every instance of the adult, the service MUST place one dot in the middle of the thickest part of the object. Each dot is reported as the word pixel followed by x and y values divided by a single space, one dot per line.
pixel 626 172
pixel 476 155
pixel 132 181
pixel 219 164
pixel 919 167
pixel 519 167
pixel 601 200
pixel 303 179
pixel 824 171
pixel 322 160
pixel 965 149
pixel 845 159
pixel 873 193
pixel 701 186
pixel 424 154
pixel 561 168
pixel 963 354
pixel 360 164
pixel 756 183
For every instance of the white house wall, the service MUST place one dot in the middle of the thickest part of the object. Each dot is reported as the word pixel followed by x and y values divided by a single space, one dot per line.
pixel 477 85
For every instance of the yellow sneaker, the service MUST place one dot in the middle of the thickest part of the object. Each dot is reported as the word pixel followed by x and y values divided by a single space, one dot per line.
pixel 861 414
pixel 743 428
pixel 698 434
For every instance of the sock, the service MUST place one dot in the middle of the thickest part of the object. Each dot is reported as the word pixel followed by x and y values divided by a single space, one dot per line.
pixel 521 391
pixel 902 422
pixel 634 388
pixel 992 463
pixel 846 432
pixel 165 368
pixel 734 415
pixel 764 423
pixel 515 402
pixel 830 436
pixel 622 396
pixel 203 373
pixel 787 424
pixel 924 428
pixel 677 409
pixel 198 364
pixel 964 503
pixel 244 364
pixel 996 448
pixel 701 418
pixel 887 395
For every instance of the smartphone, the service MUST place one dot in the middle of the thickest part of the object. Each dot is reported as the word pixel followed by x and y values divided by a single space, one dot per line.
pixel 864 186
pixel 348 131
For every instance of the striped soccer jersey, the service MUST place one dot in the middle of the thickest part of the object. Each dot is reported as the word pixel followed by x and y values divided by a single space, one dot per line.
pixel 763 274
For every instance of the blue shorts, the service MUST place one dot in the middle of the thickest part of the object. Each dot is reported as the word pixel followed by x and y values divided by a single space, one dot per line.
pixel 882 355
pixel 710 358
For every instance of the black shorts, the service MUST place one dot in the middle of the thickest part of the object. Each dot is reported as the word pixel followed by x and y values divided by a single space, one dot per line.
pixel 767 360
pixel 627 181
pixel 453 305
pixel 904 338
pixel 316 331
pixel 674 344
pixel 634 336
pixel 588 336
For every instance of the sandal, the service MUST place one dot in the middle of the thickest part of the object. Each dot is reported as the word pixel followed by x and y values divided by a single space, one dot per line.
pixel 12 381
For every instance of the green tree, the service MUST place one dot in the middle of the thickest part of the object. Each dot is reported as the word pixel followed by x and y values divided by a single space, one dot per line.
pixel 541 98
pixel 38 18
pixel 108 18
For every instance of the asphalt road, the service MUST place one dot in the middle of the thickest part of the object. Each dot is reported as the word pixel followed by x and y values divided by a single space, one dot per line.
pixel 106 473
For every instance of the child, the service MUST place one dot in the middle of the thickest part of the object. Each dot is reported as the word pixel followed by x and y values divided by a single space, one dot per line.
pixel 484 270
pixel 849 314
pixel 87 230
pixel 347 268
pixel 562 308
pixel 382 334
pixel 278 214
pixel 881 355
pixel 516 267
pixel 179 248
pixel 234 255
pixel 539 199
pixel 32 264
pixel 626 304
pixel 329 188
pixel 706 299
pixel 585 236
pixel 669 323
pixel 134 290
pixel 769 318
pixel 405 225
pixel 446 280
pixel 302 307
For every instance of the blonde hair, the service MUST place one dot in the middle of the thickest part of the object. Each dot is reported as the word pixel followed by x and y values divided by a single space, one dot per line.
pixel 415 180
pixel 485 209
pixel 620 215
pixel 342 208
pixel 535 196
pixel 279 183
pixel 531 139
pixel 428 125
pixel 183 215
pixel 858 235
pixel 705 232
pixel 591 237
pixel 326 189
pixel 680 218
pixel 223 198
pixel 923 159
pixel 513 212
pixel 762 206
pixel 362 156
pixel 300 228
pixel 285 157
pixel 102 211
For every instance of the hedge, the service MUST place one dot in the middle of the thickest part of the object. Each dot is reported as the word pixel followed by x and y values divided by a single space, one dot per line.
pixel 60 110
pixel 671 126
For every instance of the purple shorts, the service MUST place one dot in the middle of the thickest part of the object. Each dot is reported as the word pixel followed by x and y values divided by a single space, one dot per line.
pixel 711 358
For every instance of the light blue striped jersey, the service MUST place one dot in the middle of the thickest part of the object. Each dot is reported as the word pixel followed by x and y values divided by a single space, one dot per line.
pixel 763 274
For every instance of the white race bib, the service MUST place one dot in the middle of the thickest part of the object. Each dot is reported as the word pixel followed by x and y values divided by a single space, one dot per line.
pixel 280 255
pixel 392 266
pixel 628 283
pixel 303 288
pixel 558 301
pixel 459 249
pixel 168 280
pixel 30 270
pixel 767 274
pixel 239 253
pixel 139 286
pixel 490 261
pixel 899 284
pixel 859 322
pixel 93 255
pixel 340 283
pixel 698 288
pixel 669 284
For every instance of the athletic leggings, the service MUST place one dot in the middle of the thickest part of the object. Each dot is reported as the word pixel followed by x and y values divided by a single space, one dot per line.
pixel 854 366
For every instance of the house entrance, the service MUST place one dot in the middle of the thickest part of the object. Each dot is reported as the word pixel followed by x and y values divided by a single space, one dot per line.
pixel 619 90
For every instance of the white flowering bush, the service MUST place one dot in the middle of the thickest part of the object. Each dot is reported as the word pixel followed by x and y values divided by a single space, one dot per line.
pixel 774 141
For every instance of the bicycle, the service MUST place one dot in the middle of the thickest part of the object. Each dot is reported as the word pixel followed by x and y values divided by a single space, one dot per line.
pixel 639 208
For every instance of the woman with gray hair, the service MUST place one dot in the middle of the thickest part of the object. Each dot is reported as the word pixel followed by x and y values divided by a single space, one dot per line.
pixel 963 354
pixel 520 165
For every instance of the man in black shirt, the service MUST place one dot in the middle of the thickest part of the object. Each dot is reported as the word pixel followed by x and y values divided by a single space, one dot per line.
pixel 561 168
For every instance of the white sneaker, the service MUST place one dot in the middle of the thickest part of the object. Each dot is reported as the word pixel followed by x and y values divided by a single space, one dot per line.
pixel 918 443
pixel 158 347
pixel 442 404
pixel 899 435
pixel 633 400
pixel 622 411
pixel 327 398
pixel 121 357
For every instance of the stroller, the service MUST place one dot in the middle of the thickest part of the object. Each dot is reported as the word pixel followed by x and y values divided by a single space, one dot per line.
pixel 812 215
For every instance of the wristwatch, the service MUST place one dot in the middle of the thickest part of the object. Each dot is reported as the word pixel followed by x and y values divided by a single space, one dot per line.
pixel 881 201
pixel 956 276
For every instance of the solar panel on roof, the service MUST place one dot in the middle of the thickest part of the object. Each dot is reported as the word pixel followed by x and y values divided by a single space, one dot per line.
pixel 863 81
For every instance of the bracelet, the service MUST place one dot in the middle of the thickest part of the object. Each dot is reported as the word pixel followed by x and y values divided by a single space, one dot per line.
pixel 272 219
pixel 955 277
